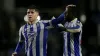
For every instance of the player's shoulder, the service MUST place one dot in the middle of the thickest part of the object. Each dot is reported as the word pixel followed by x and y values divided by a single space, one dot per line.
pixel 78 21
pixel 44 21
pixel 22 27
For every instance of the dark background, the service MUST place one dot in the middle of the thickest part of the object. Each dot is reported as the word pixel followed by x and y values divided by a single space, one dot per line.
pixel 13 11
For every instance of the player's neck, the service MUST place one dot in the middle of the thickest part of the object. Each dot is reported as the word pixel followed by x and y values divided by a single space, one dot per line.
pixel 32 22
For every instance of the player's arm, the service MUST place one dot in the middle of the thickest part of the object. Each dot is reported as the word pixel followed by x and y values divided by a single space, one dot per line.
pixel 75 28
pixel 19 44
pixel 61 18
pixel 54 22
pixel 58 20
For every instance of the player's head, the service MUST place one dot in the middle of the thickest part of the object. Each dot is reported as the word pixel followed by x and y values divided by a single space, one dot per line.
pixel 71 12
pixel 32 13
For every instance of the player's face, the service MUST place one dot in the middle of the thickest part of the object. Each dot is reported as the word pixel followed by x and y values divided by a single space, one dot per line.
pixel 70 13
pixel 69 16
pixel 32 15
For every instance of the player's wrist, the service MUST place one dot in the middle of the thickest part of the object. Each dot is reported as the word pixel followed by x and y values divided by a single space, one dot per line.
pixel 14 52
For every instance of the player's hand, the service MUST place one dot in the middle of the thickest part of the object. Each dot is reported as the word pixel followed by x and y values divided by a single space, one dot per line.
pixel 70 6
pixel 14 54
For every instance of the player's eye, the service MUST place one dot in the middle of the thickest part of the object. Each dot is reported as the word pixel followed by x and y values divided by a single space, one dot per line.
pixel 32 12
pixel 28 12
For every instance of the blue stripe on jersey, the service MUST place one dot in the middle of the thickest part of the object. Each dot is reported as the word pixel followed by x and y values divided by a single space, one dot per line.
pixel 18 47
pixel 45 42
pixel 31 29
pixel 20 44
pixel 68 44
pixel 76 44
pixel 76 27
pixel 58 20
pixel 37 40
pixel 25 33
pixel 47 24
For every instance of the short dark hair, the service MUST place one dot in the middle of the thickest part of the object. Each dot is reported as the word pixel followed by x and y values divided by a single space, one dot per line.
pixel 73 10
pixel 33 7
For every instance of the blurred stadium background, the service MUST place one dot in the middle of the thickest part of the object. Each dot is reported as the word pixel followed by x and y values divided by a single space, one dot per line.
pixel 13 11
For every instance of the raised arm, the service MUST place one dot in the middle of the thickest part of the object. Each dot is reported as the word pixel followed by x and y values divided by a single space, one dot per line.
pixel 54 22
pixel 61 18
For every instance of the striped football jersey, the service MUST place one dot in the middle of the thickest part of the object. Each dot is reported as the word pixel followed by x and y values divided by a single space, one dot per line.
pixel 72 38
pixel 34 37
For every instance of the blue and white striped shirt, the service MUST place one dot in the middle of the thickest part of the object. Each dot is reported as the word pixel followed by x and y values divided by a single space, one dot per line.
pixel 72 38
pixel 35 37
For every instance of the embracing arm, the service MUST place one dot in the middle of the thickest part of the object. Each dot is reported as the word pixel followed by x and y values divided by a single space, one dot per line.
pixel 76 28
pixel 60 19
pixel 54 22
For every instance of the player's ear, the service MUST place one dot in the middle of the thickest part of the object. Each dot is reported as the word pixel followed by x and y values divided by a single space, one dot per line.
pixel 25 18
pixel 37 12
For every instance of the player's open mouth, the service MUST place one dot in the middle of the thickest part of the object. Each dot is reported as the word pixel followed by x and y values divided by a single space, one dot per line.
pixel 29 17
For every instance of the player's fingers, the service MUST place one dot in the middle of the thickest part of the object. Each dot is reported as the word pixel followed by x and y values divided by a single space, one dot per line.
pixel 71 5
pixel 13 54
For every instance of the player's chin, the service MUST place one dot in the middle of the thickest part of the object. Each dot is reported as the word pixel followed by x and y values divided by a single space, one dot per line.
pixel 30 19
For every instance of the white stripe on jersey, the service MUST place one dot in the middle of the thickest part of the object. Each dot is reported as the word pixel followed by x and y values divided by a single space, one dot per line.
pixel 65 44
pixel 29 40
pixel 80 49
pixel 41 38
pixel 34 42
pixel 72 44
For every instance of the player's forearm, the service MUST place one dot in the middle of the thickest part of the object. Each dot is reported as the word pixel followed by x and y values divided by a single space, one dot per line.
pixel 73 30
pixel 58 20
pixel 18 47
